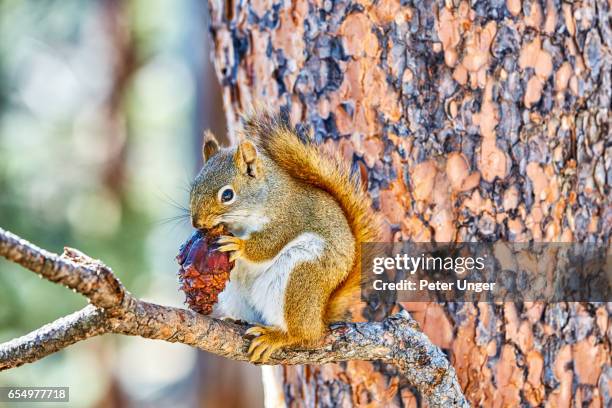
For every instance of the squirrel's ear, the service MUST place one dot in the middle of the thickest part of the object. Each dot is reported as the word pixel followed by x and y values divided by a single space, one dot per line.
pixel 247 159
pixel 210 146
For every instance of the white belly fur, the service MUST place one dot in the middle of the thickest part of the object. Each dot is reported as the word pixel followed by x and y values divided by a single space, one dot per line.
pixel 256 290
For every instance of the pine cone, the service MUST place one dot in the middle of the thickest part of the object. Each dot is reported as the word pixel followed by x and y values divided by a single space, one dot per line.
pixel 204 270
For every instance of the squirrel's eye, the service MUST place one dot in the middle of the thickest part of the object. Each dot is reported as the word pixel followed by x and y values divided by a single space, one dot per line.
pixel 227 195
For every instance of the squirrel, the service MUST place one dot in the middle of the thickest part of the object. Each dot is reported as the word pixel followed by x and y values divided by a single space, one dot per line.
pixel 297 219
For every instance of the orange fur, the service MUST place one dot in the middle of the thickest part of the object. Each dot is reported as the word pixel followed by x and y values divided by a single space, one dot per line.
pixel 306 162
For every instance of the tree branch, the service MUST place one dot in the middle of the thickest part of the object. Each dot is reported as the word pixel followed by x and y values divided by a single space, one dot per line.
pixel 113 309
pixel 73 269
pixel 52 337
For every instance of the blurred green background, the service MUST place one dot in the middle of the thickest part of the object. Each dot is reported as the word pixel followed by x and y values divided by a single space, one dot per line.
pixel 102 104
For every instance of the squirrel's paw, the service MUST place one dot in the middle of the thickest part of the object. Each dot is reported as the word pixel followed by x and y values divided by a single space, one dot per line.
pixel 267 340
pixel 231 244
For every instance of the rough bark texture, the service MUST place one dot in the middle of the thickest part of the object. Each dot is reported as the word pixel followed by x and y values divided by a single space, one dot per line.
pixel 475 121
pixel 396 340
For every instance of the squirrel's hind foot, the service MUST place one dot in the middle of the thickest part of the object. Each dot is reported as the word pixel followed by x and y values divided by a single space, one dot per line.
pixel 267 340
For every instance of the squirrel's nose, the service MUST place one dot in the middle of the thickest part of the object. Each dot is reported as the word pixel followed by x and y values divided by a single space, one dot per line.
pixel 196 223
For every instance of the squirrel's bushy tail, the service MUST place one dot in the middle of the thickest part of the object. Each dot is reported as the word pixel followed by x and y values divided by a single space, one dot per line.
pixel 305 162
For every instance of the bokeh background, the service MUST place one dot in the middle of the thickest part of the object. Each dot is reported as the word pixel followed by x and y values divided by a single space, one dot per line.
pixel 102 105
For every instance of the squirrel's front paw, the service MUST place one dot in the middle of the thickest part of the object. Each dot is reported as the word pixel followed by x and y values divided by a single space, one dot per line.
pixel 267 340
pixel 231 244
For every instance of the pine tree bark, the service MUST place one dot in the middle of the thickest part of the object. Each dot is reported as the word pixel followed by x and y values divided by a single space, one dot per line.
pixel 472 121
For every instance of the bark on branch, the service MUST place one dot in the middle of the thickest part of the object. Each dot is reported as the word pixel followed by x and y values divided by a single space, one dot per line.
pixel 113 309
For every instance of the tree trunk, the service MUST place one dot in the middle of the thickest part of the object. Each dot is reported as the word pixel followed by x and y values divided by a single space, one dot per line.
pixel 474 121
